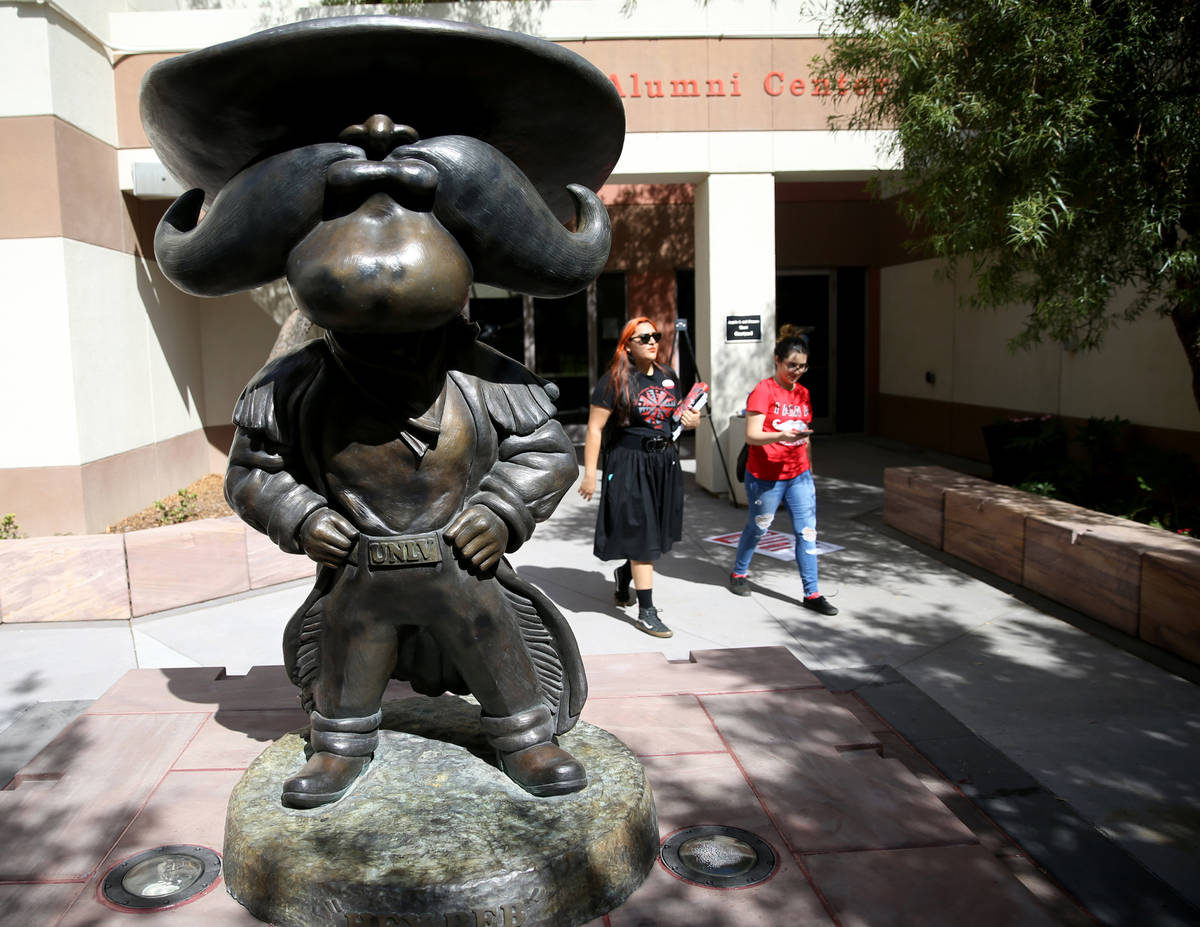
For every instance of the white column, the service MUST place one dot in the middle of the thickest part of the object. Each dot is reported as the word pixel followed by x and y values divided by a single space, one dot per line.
pixel 735 276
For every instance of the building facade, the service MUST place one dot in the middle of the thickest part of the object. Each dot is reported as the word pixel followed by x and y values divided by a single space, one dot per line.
pixel 735 208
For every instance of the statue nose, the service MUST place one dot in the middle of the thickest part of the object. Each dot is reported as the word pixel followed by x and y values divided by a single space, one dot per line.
pixel 378 136
pixel 410 182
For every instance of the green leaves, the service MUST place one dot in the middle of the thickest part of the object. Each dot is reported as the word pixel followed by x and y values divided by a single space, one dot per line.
pixel 1053 143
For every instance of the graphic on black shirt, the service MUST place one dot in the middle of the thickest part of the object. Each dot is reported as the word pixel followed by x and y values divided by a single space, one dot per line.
pixel 655 404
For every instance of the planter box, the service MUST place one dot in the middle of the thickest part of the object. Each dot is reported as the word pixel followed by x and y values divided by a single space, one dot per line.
pixel 1092 562
pixel 1170 599
pixel 183 564
pixel 1141 580
pixel 268 565
pixel 1097 573
pixel 985 525
pixel 912 499
pixel 64 579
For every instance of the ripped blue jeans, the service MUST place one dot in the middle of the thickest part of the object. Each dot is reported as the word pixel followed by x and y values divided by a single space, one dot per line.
pixel 764 497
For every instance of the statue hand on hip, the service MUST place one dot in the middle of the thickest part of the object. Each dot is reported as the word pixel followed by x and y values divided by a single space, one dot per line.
pixel 327 537
pixel 479 536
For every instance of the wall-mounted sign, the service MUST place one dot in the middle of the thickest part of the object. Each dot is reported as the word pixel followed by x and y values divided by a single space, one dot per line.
pixel 743 328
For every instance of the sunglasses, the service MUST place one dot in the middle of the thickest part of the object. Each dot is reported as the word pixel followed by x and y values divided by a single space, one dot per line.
pixel 647 337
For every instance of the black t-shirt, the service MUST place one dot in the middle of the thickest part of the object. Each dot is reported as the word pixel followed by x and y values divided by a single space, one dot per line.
pixel 654 398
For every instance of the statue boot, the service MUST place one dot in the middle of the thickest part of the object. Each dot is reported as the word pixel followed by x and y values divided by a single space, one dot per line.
pixel 524 745
pixel 340 749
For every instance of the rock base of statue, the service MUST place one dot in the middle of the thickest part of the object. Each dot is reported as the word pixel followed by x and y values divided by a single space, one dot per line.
pixel 434 835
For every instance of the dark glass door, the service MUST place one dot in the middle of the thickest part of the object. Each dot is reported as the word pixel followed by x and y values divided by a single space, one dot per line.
pixel 807 299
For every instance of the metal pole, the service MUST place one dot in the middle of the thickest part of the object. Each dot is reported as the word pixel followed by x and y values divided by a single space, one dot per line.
pixel 681 327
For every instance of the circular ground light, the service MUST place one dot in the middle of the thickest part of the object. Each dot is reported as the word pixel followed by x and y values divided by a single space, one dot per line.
pixel 162 877
pixel 718 856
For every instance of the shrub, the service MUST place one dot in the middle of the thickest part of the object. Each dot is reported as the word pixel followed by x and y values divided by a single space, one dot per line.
pixel 9 529
pixel 1106 469
pixel 179 511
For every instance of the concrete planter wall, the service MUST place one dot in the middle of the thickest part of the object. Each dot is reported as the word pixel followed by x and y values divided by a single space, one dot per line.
pixel 105 577
pixel 1140 580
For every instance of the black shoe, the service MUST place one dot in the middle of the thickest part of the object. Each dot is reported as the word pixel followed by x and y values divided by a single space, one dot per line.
pixel 325 778
pixel 738 585
pixel 647 620
pixel 820 605
pixel 622 595
pixel 544 769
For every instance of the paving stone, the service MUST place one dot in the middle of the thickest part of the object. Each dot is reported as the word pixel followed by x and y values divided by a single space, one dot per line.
pixel 197 688
pixel 707 788
pixel 930 887
pixel 855 801
pixel 187 808
pixel 664 900
pixel 36 905
pixel 233 739
pixel 656 725
pixel 802 723
pixel 742 669
pixel 69 805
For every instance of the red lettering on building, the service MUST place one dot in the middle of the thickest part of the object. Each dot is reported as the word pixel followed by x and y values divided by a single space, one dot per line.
pixel 773 84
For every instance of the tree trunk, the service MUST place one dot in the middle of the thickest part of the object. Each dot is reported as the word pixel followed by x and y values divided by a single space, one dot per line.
pixel 1186 316
pixel 296 330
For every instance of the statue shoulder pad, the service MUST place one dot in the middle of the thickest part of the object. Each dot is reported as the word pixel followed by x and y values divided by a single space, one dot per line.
pixel 278 384
pixel 517 400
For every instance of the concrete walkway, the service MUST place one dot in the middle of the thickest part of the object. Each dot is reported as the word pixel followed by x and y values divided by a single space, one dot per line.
pixel 1082 745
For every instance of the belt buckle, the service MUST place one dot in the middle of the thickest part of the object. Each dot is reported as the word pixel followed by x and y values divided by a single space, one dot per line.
pixel 655 443
pixel 413 550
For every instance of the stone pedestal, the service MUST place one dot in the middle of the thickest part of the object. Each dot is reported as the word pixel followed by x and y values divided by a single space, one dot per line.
pixel 433 834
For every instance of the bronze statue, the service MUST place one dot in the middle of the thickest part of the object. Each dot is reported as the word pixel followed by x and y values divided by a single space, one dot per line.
pixel 381 165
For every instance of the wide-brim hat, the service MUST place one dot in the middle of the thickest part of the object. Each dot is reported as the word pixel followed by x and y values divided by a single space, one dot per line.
pixel 212 112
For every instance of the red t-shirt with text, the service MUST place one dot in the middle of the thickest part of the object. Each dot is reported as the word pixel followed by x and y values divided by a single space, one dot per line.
pixel 783 459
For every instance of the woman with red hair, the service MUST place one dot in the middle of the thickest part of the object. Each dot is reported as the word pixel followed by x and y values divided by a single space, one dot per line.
pixel 641 507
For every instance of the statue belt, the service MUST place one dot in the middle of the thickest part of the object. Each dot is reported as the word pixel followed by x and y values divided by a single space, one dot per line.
pixel 391 552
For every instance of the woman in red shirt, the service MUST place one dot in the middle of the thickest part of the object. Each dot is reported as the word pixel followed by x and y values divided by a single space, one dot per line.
pixel 778 469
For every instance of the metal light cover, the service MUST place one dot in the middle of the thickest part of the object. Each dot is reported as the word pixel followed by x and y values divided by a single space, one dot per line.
pixel 718 856
pixel 161 878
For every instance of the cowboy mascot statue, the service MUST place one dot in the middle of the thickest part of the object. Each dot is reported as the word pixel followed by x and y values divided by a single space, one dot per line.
pixel 381 165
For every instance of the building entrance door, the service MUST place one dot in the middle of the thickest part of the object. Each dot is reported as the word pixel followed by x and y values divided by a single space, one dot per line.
pixel 808 299
pixel 568 341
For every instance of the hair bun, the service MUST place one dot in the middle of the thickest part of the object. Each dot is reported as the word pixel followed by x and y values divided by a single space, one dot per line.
pixel 790 331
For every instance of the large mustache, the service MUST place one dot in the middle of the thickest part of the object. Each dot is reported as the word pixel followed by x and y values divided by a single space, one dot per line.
pixel 251 226
pixel 482 198
pixel 505 227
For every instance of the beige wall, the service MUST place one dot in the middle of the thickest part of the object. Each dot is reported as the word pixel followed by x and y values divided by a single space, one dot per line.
pixel 1140 373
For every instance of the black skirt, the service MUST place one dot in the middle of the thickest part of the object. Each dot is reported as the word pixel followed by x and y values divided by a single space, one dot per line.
pixel 641 504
